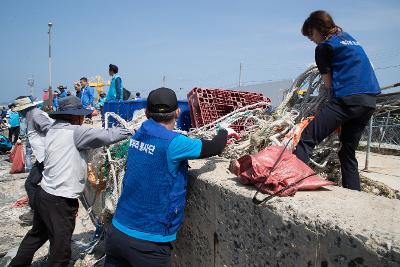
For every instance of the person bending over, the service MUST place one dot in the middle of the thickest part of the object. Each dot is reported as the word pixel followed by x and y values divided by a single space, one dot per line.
pixel 348 73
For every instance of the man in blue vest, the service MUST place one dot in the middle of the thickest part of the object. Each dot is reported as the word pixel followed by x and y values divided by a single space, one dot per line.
pixel 62 93
pixel 115 92
pixel 151 208
pixel 87 93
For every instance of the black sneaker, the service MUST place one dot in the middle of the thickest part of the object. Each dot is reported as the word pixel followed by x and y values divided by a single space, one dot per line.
pixel 26 218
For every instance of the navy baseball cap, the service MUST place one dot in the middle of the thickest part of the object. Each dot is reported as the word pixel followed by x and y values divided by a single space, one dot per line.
pixel 162 100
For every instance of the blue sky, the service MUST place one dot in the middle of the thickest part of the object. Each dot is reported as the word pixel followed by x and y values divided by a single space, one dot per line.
pixel 192 43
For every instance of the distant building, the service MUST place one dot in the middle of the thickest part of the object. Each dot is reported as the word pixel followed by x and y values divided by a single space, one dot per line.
pixel 272 90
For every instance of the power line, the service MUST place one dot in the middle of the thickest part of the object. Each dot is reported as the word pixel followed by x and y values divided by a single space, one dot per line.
pixel 387 67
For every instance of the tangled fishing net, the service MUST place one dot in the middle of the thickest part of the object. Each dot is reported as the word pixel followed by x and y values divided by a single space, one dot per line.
pixel 302 100
pixel 283 125
pixel 262 128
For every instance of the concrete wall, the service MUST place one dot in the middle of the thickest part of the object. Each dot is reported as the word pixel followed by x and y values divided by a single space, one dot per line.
pixel 329 227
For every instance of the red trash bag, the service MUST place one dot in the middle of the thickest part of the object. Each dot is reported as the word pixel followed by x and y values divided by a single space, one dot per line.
pixel 259 170
pixel 12 153
pixel 18 162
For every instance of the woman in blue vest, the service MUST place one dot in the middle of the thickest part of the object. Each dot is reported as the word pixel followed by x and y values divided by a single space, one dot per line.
pixel 347 72
pixel 151 208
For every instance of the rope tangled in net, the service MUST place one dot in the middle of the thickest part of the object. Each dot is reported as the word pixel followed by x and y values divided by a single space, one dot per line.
pixel 261 128
pixel 303 99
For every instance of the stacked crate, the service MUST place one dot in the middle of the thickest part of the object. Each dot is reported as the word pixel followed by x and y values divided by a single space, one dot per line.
pixel 207 105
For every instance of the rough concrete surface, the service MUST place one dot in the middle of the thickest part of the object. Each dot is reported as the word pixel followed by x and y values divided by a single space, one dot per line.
pixel 382 168
pixel 329 227
pixel 12 233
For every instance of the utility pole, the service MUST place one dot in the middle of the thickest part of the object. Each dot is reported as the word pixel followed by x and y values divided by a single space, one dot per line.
pixel 371 120
pixel 164 78
pixel 50 88
pixel 240 74
pixel 31 84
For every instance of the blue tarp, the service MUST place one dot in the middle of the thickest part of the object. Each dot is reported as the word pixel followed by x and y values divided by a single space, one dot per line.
pixel 125 109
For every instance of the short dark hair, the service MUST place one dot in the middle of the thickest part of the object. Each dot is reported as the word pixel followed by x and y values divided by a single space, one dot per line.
pixel 83 79
pixel 162 117
pixel 322 21
pixel 137 94
pixel 113 68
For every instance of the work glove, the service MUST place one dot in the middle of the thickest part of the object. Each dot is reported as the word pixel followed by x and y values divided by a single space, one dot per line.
pixel 231 132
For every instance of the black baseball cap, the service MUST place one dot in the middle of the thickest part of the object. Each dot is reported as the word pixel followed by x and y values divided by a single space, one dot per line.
pixel 162 100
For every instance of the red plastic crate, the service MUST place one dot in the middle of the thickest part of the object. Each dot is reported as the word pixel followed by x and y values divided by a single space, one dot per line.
pixel 207 105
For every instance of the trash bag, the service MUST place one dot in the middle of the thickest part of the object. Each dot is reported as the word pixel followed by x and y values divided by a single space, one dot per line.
pixel 270 177
pixel 12 153
pixel 18 162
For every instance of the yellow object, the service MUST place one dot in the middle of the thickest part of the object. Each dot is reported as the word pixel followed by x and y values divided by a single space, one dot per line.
pixel 301 92
pixel 97 81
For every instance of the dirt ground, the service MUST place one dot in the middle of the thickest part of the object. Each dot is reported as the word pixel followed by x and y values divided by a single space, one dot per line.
pixel 12 233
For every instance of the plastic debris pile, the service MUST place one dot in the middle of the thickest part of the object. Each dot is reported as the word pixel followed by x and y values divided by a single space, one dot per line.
pixel 258 128
pixel 303 99
pixel 209 105
pixel 257 125
pixel 107 169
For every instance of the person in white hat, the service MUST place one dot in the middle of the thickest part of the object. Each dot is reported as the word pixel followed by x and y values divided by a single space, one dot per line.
pixel 37 123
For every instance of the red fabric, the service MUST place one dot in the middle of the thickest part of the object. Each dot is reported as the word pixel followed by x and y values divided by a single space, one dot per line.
pixel 18 163
pixel 12 153
pixel 294 135
pixel 253 169
pixel 23 202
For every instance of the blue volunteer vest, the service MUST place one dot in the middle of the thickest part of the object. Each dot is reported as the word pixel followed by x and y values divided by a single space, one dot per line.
pixel 112 91
pixel 352 71
pixel 14 119
pixel 152 200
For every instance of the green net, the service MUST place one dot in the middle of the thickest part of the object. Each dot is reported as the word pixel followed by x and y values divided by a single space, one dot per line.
pixel 117 151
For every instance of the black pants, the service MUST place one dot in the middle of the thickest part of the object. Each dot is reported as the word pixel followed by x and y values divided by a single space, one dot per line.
pixel 54 220
pixel 125 251
pixel 352 120
pixel 13 131
pixel 33 180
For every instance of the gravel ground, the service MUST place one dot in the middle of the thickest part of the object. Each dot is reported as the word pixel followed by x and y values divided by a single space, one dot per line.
pixel 12 233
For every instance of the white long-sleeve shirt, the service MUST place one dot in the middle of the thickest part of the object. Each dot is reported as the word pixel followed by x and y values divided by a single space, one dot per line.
pixel 65 163
pixel 38 123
